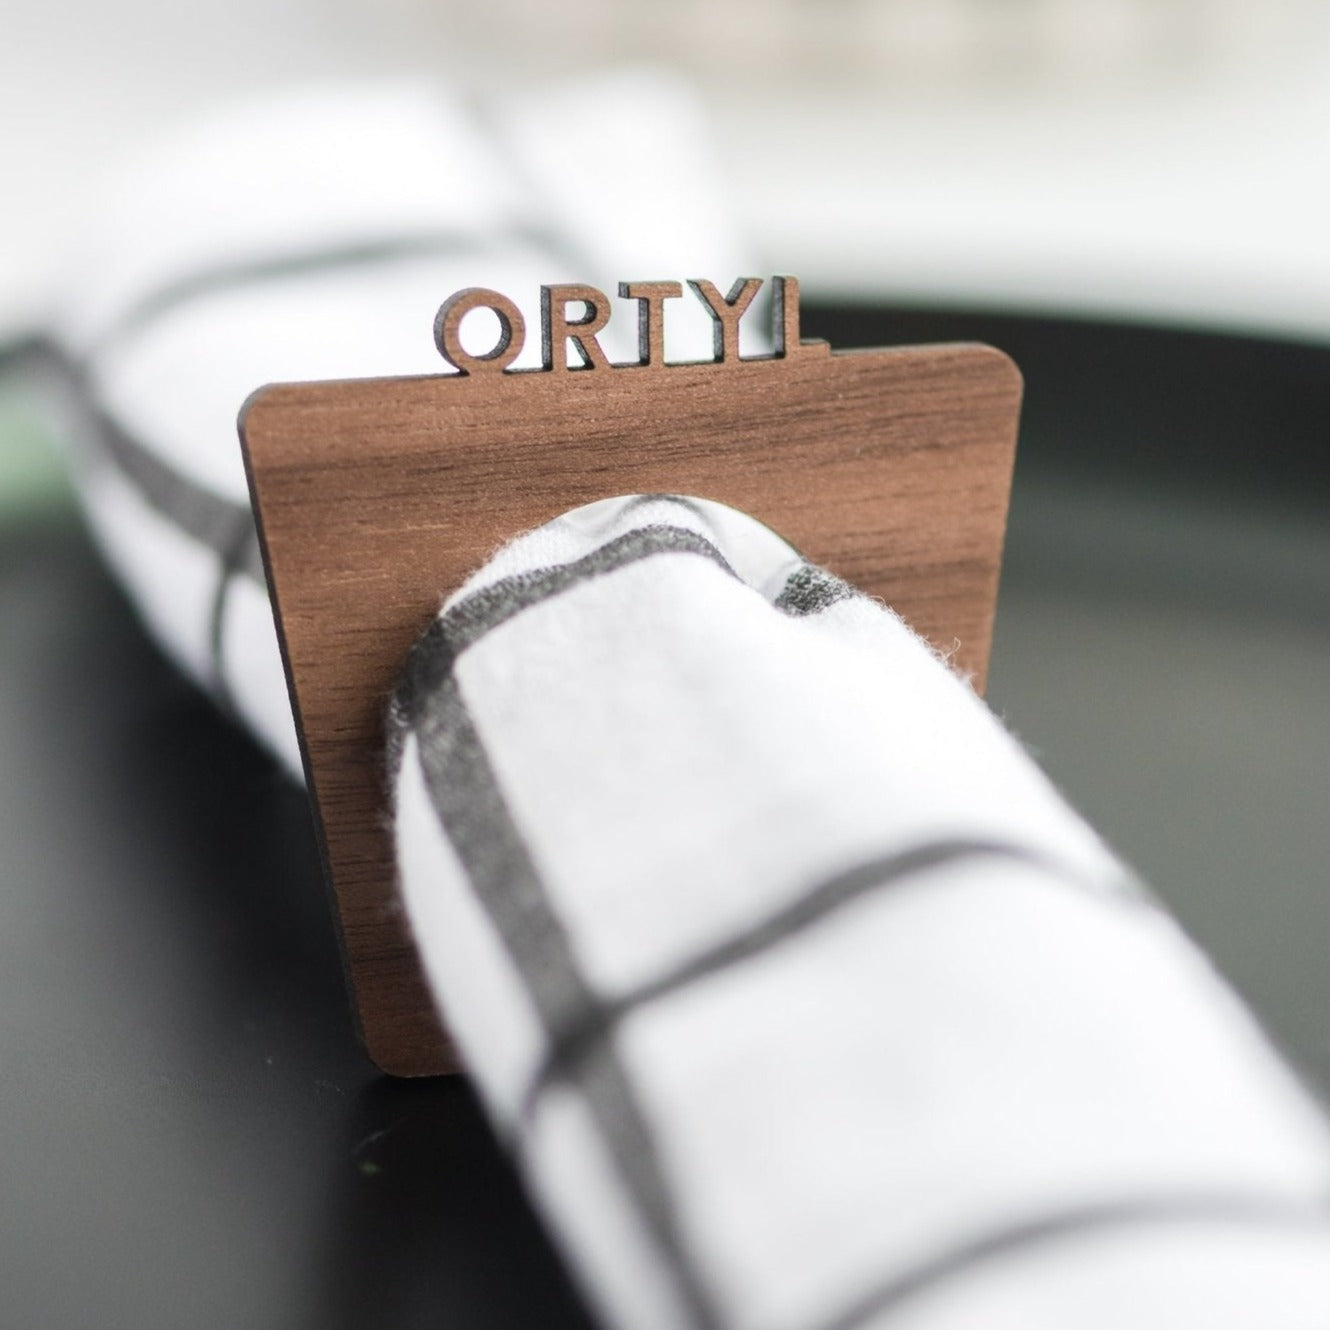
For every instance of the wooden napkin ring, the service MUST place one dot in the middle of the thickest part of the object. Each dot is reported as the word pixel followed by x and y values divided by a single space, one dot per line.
pixel 376 498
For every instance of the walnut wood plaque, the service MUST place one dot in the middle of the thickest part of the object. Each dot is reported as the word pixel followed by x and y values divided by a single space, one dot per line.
pixel 376 498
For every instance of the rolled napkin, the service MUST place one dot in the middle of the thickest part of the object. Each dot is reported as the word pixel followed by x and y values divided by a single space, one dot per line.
pixel 799 994
pixel 803 999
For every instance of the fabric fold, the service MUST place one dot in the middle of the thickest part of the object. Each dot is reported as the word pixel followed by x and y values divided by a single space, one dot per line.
pixel 803 998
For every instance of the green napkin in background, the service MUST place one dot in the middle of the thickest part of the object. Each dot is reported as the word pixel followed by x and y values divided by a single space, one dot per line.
pixel 32 475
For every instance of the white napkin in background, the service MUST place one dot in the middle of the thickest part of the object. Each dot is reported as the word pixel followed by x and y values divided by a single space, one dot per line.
pixel 314 236
pixel 918 1084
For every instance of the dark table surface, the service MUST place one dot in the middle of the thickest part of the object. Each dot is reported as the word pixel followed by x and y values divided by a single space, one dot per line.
pixel 191 1135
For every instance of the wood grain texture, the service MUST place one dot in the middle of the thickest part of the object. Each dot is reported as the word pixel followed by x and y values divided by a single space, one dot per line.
pixel 376 498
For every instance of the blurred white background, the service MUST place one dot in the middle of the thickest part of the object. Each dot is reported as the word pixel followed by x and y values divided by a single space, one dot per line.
pixel 1161 159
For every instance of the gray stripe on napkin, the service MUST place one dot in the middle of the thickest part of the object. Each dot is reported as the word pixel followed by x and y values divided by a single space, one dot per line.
pixel 573 1044
pixel 475 818
pixel 258 271
pixel 1224 1209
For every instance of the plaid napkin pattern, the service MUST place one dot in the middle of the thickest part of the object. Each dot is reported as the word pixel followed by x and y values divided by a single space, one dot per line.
pixel 801 995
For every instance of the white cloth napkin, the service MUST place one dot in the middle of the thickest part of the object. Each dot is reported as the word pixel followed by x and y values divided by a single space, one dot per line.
pixel 803 999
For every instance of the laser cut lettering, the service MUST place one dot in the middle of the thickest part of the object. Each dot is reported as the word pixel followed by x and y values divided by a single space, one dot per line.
pixel 557 329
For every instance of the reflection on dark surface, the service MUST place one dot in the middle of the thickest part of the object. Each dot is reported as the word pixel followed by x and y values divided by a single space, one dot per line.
pixel 428 1231
pixel 191 1134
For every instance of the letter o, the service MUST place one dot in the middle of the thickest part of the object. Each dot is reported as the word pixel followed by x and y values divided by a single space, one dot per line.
pixel 448 325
